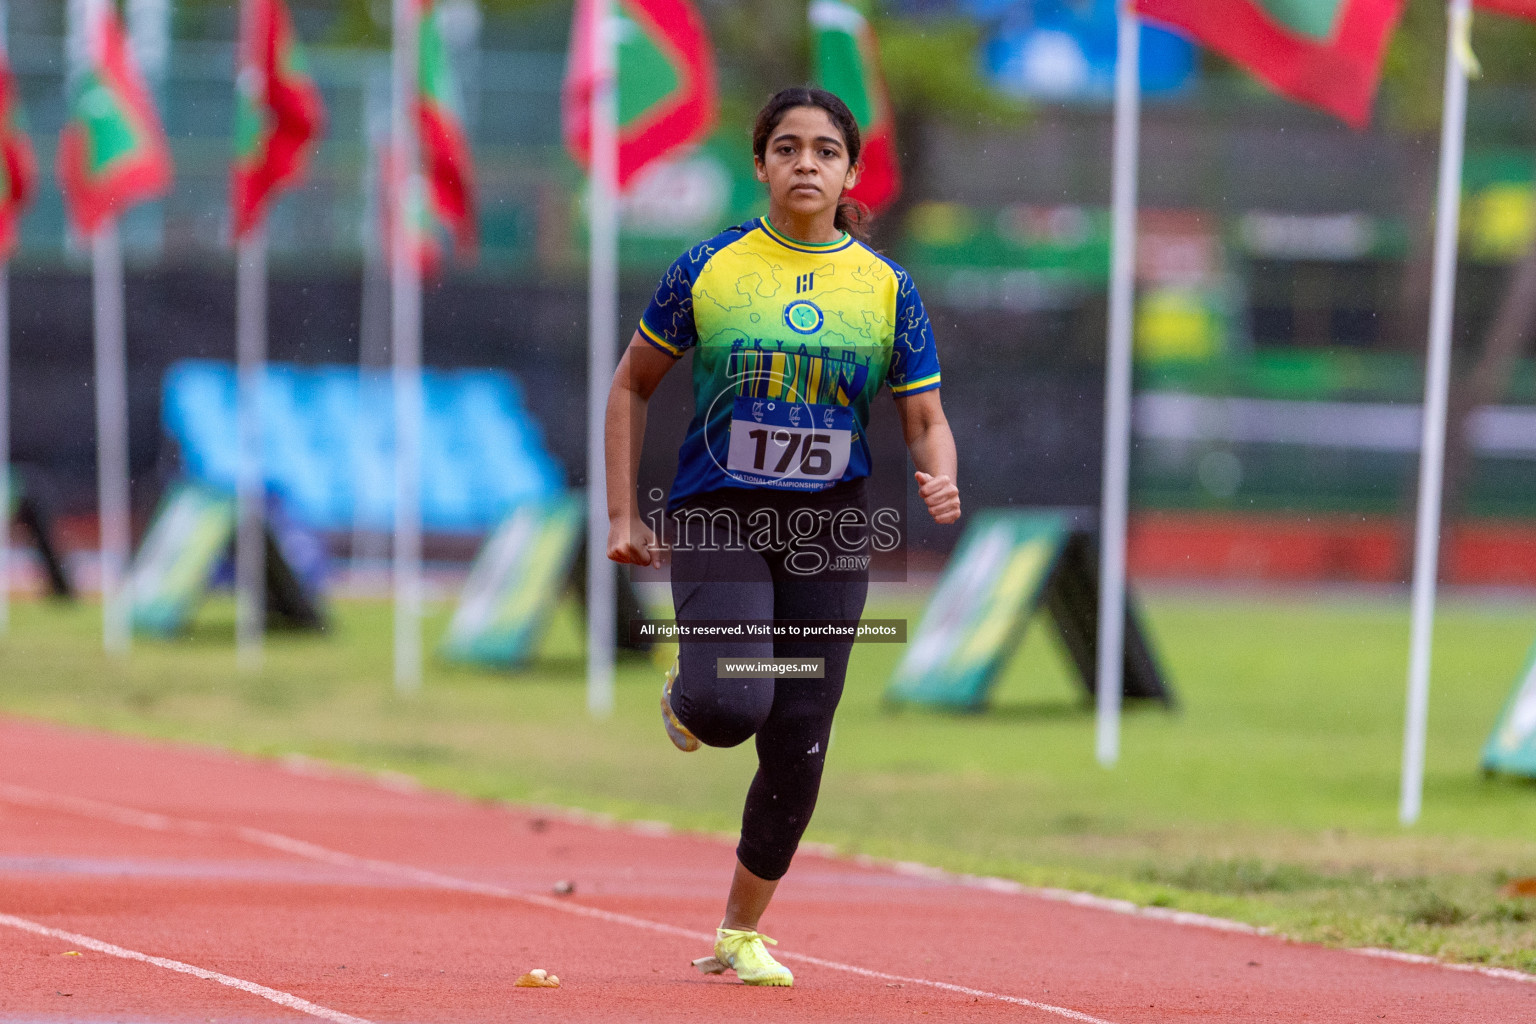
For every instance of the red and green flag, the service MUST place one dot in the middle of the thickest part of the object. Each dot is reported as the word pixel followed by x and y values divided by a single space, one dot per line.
pixel 848 65
pixel 667 97
pixel 1326 53
pixel 1515 8
pixel 18 169
pixel 112 151
pixel 279 113
pixel 445 154
pixel 424 229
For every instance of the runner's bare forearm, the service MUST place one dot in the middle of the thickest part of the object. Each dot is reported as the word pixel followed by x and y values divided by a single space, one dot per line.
pixel 623 435
pixel 926 431
pixel 639 372
pixel 933 451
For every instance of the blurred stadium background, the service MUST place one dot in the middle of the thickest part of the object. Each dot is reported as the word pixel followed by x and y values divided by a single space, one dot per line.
pixel 1284 272
pixel 1283 265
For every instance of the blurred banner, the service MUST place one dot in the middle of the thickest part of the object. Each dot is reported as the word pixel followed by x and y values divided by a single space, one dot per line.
pixel 188 544
pixel 1512 746
pixel 519 577
pixel 1065 50
pixel 1010 565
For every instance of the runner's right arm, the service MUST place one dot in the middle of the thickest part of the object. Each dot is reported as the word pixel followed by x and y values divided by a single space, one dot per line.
pixel 630 540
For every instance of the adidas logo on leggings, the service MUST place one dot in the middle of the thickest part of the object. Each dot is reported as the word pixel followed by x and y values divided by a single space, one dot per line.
pixel 815 748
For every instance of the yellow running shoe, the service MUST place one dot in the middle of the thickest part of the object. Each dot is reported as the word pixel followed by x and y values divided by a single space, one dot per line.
pixel 677 732
pixel 743 952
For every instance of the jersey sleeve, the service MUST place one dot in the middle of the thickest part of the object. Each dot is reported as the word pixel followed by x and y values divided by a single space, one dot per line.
pixel 667 322
pixel 914 357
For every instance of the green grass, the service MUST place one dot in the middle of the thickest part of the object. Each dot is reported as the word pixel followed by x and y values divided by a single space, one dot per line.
pixel 1270 798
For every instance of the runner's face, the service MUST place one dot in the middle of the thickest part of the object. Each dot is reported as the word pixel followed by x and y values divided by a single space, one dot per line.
pixel 806 164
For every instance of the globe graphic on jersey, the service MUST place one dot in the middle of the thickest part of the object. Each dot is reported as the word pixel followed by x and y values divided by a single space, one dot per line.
pixel 803 317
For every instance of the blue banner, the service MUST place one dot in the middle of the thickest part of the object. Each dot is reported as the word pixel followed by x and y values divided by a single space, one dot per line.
pixel 1065 50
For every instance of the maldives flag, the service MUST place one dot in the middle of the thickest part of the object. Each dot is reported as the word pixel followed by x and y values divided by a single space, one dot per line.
pixel 445 153
pixel 423 227
pixel 112 151
pixel 18 169
pixel 1326 53
pixel 848 65
pixel 1516 8
pixel 279 112
pixel 667 97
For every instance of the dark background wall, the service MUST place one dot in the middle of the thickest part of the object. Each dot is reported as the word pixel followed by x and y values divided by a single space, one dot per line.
pixel 1023 393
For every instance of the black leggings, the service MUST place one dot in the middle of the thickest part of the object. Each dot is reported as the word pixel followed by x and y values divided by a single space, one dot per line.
pixel 791 718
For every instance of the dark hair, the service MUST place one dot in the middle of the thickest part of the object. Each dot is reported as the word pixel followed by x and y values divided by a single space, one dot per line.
pixel 852 215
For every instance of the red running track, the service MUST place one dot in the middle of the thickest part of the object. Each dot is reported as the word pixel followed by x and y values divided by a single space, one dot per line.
pixel 314 896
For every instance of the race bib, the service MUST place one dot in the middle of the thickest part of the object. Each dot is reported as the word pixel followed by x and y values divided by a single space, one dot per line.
pixel 789 444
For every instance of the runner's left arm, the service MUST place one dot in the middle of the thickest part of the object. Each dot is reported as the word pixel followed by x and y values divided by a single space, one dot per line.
pixel 914 381
pixel 932 445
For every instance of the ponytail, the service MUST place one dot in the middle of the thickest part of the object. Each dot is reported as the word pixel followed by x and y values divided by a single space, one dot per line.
pixel 853 217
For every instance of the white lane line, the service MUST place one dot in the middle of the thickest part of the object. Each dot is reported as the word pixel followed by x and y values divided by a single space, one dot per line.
pixel 1187 918
pixel 1428 961
pixel 297 847
pixel 293 1002
pixel 303 848
pixel 312 851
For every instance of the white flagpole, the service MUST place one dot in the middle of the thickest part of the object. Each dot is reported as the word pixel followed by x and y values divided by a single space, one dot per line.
pixel 405 300
pixel 369 542
pixel 250 487
pixel 111 434
pixel 5 411
pixel 1426 556
pixel 603 328
pixel 1117 395
pixel 5 434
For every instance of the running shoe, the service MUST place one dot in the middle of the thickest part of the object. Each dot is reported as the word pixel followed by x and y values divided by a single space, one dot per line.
pixel 677 732
pixel 743 951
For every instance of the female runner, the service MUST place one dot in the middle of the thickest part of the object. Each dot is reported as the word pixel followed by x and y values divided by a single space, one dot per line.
pixel 796 324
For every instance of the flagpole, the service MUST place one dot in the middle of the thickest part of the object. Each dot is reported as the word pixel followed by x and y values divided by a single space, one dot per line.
pixel 405 302
pixel 111 434
pixel 5 423
pixel 250 487
pixel 1426 559
pixel 5 404
pixel 1117 394
pixel 369 542
pixel 603 329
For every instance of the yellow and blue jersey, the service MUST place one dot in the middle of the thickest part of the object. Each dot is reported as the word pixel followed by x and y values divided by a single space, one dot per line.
pixel 792 342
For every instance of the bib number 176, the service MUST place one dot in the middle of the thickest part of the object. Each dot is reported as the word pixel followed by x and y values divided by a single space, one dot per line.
pixel 776 441
pixel 815 457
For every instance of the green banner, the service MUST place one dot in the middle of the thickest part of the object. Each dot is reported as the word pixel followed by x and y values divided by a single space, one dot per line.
pixel 516 582
pixel 192 530
pixel 1512 747
pixel 976 617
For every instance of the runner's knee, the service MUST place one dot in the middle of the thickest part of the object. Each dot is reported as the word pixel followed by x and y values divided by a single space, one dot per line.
pixel 726 713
